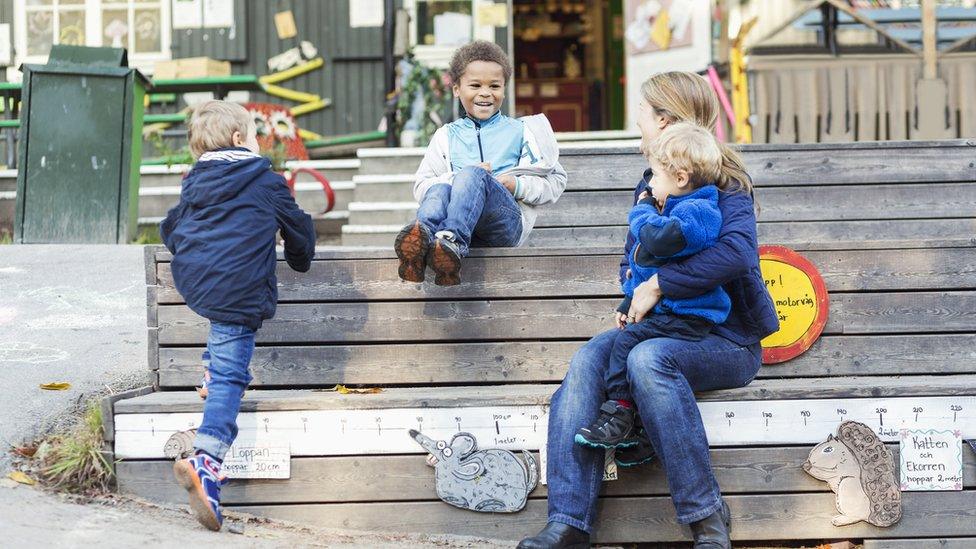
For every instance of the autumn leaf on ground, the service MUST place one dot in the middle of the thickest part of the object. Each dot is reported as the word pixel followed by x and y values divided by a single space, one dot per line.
pixel 343 390
pixel 20 477
pixel 62 386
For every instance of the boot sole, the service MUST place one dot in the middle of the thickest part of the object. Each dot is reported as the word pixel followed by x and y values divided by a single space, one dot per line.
pixel 580 439
pixel 199 504
pixel 446 265
pixel 411 246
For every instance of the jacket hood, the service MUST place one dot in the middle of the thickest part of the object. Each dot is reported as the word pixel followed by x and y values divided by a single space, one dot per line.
pixel 220 175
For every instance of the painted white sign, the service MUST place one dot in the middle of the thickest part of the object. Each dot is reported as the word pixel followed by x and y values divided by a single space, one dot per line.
pixel 218 13
pixel 366 13
pixel 258 461
pixel 187 14
pixel 930 459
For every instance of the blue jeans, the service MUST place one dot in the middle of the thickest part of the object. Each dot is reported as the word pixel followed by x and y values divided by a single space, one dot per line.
pixel 476 208
pixel 663 375
pixel 230 347
pixel 688 328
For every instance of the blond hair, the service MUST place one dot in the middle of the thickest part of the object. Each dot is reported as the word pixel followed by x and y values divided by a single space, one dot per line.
pixel 679 96
pixel 213 124
pixel 690 148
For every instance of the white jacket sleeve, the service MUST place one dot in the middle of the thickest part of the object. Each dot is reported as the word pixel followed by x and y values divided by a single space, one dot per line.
pixel 435 167
pixel 536 190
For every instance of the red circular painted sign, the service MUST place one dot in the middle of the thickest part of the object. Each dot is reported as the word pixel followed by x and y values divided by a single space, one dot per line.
pixel 800 297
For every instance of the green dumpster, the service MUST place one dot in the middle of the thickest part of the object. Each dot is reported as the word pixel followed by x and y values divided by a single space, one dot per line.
pixel 80 148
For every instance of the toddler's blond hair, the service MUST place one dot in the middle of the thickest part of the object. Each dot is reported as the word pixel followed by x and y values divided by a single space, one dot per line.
pixel 689 147
pixel 213 124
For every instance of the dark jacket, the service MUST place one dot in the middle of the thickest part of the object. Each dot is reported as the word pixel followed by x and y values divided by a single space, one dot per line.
pixel 687 225
pixel 222 236
pixel 732 263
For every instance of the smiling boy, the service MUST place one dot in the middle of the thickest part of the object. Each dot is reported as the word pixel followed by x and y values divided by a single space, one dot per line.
pixel 482 175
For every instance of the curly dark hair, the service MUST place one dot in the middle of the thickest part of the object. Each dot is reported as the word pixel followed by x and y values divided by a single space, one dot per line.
pixel 479 50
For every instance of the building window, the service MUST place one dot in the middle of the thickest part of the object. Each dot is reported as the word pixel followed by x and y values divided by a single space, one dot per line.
pixel 50 22
pixel 140 26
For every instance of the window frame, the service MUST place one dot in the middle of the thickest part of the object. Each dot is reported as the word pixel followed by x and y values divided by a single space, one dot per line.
pixel 93 30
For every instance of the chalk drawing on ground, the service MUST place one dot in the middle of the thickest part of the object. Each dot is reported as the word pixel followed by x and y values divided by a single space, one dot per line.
pixel 30 353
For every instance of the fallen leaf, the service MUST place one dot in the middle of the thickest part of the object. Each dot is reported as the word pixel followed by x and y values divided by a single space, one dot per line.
pixel 343 390
pixel 62 386
pixel 20 477
pixel 26 451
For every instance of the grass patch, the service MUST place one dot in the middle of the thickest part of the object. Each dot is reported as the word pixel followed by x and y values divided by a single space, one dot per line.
pixel 6 237
pixel 148 236
pixel 73 462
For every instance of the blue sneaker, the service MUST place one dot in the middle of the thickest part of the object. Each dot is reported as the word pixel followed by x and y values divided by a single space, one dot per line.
pixel 200 476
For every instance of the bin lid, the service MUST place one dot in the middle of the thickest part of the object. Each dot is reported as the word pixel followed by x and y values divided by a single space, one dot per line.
pixel 62 54
pixel 89 60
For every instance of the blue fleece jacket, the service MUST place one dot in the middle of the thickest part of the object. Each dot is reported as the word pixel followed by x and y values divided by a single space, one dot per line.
pixel 222 236
pixel 732 263
pixel 687 225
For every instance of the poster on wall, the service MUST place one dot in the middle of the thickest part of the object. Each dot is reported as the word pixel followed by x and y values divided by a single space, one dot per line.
pixel 187 14
pixel 659 25
pixel 218 13
pixel 366 13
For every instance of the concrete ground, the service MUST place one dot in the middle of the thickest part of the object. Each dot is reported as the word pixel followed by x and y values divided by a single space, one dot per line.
pixel 72 314
pixel 31 518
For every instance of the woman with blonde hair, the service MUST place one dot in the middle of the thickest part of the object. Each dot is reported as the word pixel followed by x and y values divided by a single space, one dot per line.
pixel 664 373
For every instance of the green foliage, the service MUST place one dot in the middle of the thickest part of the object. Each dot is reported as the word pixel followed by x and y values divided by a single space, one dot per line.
pixel 429 83
pixel 148 235
pixel 6 237
pixel 74 462
pixel 171 155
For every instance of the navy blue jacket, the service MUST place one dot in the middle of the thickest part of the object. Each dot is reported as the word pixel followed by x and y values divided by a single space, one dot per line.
pixel 222 236
pixel 687 225
pixel 732 263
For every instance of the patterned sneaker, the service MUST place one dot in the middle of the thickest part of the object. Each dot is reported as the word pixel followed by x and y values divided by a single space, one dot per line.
pixel 200 476
pixel 445 258
pixel 412 246
pixel 638 454
pixel 613 429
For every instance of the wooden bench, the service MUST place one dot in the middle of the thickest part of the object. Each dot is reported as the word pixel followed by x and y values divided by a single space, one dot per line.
pixel 487 355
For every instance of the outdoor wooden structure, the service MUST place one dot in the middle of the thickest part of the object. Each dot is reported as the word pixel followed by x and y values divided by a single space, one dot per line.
pixel 889 225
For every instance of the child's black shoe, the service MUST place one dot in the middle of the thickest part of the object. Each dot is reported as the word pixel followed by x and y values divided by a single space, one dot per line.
pixel 412 245
pixel 637 454
pixel 445 259
pixel 613 429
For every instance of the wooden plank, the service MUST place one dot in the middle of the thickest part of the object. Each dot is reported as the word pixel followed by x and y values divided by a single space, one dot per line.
pixel 831 388
pixel 149 254
pixel 623 520
pixel 521 362
pixel 808 165
pixel 476 320
pixel 408 478
pixel 107 405
pixel 931 543
pixel 592 275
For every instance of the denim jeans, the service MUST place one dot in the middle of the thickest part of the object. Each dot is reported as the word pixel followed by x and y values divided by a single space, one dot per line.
pixel 476 208
pixel 663 375
pixel 230 347
pixel 653 325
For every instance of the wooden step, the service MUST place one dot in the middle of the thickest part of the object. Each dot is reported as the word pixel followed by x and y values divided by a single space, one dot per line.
pixel 156 201
pixel 382 213
pixel 384 188
pixel 409 478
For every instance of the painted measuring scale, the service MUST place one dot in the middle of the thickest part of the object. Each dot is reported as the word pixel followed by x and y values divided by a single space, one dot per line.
pixel 800 296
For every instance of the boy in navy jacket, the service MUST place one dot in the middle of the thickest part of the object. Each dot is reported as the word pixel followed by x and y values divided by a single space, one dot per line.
pixel 685 162
pixel 222 236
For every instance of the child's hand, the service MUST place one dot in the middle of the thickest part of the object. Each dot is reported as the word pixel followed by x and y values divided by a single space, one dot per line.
pixel 621 320
pixel 642 196
pixel 486 166
pixel 508 181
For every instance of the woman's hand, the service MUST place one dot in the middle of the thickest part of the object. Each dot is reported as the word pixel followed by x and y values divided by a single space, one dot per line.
pixel 508 181
pixel 646 297
pixel 621 320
